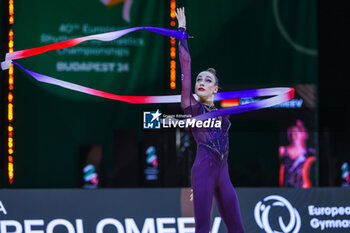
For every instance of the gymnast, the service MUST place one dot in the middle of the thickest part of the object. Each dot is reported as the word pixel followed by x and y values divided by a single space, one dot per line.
pixel 296 158
pixel 209 174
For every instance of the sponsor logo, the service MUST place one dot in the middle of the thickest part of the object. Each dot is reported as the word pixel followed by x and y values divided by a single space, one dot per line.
pixel 292 104
pixel 262 210
pixel 150 225
pixel 151 120
pixel 2 208
pixel 209 123
pixel 329 212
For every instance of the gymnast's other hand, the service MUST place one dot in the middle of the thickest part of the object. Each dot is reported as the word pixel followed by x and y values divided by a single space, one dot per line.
pixel 181 18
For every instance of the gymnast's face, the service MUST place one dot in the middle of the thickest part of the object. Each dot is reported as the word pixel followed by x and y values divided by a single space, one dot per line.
pixel 297 134
pixel 206 85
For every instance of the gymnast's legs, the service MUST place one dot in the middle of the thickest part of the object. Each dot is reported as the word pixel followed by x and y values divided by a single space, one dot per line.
pixel 203 184
pixel 227 202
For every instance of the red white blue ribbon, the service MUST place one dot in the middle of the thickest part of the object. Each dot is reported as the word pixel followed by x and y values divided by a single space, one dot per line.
pixel 277 95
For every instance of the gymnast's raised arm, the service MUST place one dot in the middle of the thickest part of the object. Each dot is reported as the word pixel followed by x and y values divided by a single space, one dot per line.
pixel 187 98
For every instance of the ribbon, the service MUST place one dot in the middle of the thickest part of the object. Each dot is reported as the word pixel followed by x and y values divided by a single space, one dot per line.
pixel 277 95
pixel 108 36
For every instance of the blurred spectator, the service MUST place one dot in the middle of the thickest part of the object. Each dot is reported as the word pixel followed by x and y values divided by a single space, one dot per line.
pixel 296 159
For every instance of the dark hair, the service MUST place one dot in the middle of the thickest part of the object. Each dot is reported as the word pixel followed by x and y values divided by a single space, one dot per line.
pixel 299 124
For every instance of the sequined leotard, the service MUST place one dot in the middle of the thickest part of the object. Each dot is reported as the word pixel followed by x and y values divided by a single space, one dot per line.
pixel 296 171
pixel 293 170
pixel 213 139
pixel 209 175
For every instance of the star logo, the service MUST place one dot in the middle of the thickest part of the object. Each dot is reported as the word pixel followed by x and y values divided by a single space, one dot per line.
pixel 151 120
pixel 156 115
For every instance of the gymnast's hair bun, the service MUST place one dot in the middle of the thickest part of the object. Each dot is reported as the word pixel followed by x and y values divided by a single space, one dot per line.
pixel 212 70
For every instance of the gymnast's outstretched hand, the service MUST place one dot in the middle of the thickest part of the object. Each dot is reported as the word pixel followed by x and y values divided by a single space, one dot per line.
pixel 181 18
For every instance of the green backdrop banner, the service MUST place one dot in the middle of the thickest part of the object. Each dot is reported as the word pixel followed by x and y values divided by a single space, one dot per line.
pixel 52 123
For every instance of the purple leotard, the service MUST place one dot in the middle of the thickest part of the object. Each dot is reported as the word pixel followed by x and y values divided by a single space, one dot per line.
pixel 209 175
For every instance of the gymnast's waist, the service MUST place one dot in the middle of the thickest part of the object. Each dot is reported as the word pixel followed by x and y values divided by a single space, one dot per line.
pixel 215 153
